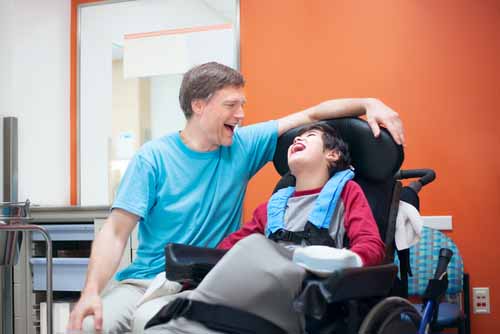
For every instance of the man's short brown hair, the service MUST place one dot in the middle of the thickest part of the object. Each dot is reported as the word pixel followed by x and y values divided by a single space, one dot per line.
pixel 202 81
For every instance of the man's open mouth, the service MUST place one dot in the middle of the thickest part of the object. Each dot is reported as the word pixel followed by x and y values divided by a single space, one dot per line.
pixel 230 127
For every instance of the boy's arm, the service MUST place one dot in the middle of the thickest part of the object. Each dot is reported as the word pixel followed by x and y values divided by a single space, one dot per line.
pixel 377 113
pixel 360 225
pixel 256 225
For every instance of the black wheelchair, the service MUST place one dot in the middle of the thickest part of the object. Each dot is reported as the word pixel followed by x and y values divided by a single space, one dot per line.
pixel 356 300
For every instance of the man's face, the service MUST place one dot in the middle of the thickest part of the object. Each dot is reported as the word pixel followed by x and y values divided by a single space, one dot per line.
pixel 307 153
pixel 220 114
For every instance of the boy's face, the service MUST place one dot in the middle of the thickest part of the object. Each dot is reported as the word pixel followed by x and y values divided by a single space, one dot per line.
pixel 307 153
pixel 220 114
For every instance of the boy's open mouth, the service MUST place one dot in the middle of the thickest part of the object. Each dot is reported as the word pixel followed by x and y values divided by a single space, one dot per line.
pixel 297 148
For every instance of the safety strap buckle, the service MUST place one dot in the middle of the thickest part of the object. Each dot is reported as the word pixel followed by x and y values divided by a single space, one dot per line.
pixel 284 235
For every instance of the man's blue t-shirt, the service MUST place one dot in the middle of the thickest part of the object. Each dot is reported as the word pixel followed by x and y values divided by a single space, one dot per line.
pixel 189 197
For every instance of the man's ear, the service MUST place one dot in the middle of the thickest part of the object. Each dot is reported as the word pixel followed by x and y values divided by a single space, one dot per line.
pixel 197 105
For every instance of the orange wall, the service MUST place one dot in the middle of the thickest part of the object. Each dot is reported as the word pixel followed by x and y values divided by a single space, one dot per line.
pixel 436 62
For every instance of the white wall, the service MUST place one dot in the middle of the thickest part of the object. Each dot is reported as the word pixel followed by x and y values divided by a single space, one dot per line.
pixel 35 78
pixel 166 113
pixel 5 77
pixel 34 86
pixel 101 27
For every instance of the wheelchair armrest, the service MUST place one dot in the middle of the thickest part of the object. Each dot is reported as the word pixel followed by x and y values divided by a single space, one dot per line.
pixel 189 264
pixel 343 285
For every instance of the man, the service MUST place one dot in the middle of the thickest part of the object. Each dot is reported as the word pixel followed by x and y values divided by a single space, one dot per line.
pixel 258 278
pixel 188 187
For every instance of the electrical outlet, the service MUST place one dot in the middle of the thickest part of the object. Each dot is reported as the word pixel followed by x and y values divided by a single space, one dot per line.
pixel 481 300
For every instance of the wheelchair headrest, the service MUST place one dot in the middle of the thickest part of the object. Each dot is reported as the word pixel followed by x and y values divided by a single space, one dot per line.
pixel 375 159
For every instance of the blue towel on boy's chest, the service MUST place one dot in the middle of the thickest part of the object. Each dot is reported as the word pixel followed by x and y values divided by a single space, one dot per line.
pixel 324 206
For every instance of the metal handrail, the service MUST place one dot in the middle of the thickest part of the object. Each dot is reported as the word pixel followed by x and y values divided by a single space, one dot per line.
pixel 21 227
pixel 22 212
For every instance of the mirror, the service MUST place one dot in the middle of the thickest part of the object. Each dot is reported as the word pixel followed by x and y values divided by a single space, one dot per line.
pixel 131 58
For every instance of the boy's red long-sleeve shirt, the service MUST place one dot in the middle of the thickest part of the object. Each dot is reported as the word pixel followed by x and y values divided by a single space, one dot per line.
pixel 360 226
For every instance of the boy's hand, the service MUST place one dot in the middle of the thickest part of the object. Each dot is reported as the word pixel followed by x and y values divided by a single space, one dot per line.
pixel 377 113
pixel 89 304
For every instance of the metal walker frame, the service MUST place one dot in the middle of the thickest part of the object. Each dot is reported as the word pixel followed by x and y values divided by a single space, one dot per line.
pixel 13 218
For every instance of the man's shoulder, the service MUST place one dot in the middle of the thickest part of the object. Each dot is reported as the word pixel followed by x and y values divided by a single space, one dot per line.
pixel 255 135
pixel 258 129
pixel 154 151
pixel 159 145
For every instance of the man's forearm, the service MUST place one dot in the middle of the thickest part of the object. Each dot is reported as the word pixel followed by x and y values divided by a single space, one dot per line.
pixel 326 110
pixel 107 251
pixel 339 108
pixel 377 113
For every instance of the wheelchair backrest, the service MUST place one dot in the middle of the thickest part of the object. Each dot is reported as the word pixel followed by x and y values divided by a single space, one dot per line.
pixel 375 161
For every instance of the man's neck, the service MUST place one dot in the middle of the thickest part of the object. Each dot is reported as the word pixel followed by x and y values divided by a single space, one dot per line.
pixel 194 138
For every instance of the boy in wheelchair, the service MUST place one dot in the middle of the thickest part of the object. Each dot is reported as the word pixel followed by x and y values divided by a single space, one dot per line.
pixel 252 288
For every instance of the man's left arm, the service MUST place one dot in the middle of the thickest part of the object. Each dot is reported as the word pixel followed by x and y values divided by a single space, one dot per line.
pixel 377 113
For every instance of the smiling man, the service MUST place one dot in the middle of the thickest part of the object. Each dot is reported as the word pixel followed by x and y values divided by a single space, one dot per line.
pixel 188 187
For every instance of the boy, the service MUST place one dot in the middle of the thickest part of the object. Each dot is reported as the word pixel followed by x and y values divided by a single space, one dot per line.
pixel 316 155
pixel 257 280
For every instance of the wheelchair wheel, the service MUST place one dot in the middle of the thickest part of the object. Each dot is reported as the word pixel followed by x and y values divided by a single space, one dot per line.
pixel 393 315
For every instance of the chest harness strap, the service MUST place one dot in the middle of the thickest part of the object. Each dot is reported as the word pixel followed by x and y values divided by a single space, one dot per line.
pixel 316 230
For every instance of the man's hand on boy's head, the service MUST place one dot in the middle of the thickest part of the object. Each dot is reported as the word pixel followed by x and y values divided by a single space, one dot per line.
pixel 377 113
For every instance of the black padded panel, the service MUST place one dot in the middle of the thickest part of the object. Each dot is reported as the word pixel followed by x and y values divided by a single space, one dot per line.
pixel 379 197
pixel 410 196
pixel 374 159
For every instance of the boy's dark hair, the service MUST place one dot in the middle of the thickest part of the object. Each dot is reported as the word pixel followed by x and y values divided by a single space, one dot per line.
pixel 202 81
pixel 331 141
